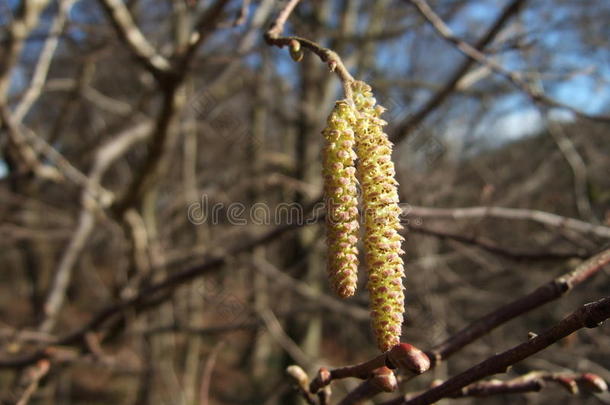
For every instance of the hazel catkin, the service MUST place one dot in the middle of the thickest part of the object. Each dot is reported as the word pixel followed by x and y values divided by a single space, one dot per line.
pixel 381 212
pixel 340 195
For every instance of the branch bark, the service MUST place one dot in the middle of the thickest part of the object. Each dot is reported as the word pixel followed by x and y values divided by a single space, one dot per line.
pixel 136 42
pixel 550 291
pixel 588 316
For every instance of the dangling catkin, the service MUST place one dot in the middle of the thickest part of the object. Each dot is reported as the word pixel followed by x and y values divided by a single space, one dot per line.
pixel 381 219
pixel 340 195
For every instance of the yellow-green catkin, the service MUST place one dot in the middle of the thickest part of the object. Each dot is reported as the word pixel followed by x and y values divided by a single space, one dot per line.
pixel 340 195
pixel 381 213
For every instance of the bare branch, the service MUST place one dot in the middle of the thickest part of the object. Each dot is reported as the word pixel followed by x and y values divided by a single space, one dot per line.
pixel 203 28
pixel 474 53
pixel 206 378
pixel 542 217
pixel 531 382
pixel 163 288
pixel 26 18
pixel 273 37
pixel 403 356
pixel 578 166
pixel 491 247
pixel 381 380
pixel 33 376
pixel 104 157
pixel 404 129
pixel 589 316
pixel 44 61
pixel 134 39
pixel 540 296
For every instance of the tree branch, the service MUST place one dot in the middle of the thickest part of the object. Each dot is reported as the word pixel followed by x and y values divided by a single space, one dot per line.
pixel 542 217
pixel 129 33
pixel 204 26
pixel 382 379
pixel 403 130
pixel 494 248
pixel 403 356
pixel 475 54
pixel 158 292
pixel 588 316
pixel 540 296
pixel 273 37
pixel 530 382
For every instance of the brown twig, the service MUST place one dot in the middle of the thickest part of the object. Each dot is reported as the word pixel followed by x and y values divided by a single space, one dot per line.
pixel 203 28
pixel 530 382
pixel 403 356
pixel 161 291
pixel 492 247
pixel 33 375
pixel 543 294
pixel 242 16
pixel 497 387
pixel 136 42
pixel 273 37
pixel 541 217
pixel 475 54
pixel 206 378
pixel 588 316
pixel 439 97
pixel 302 383
pixel 381 380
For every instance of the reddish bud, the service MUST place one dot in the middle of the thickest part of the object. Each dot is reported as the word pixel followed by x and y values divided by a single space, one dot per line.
pixel 408 357
pixel 593 383
pixel 384 379
pixel 322 379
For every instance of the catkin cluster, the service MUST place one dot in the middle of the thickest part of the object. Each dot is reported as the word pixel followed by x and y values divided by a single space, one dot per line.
pixel 357 124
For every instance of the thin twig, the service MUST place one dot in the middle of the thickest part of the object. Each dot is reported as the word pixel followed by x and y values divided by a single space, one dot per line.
pixel 540 296
pixel 281 337
pixel 273 37
pixel 131 35
pixel 206 378
pixel 541 217
pixel 588 316
pixel 450 86
pixel 34 374
pixel 496 249
pixel 381 380
pixel 403 356
pixel 530 382
pixel 578 166
pixel 472 52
